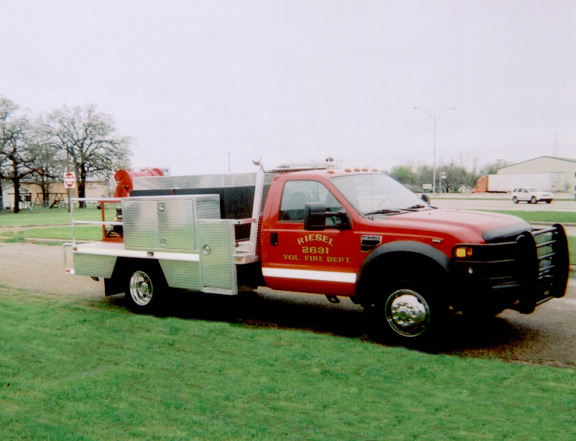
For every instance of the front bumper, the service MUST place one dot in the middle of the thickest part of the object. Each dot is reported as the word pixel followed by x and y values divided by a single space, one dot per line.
pixel 519 273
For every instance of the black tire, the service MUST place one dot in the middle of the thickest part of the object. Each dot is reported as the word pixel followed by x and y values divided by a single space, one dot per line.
pixel 407 312
pixel 533 200
pixel 515 199
pixel 146 288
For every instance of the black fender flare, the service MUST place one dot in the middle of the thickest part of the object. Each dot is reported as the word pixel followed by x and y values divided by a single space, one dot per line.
pixel 393 252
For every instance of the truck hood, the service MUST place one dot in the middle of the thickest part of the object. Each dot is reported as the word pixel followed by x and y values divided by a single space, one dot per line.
pixel 466 226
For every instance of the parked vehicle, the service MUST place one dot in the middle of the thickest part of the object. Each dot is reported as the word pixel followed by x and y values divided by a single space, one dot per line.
pixel 340 233
pixel 531 195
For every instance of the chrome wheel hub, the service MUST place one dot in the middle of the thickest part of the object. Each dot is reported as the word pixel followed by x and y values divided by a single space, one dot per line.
pixel 141 289
pixel 407 313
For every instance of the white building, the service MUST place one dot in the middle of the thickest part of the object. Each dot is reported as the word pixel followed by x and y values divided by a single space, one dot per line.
pixel 549 173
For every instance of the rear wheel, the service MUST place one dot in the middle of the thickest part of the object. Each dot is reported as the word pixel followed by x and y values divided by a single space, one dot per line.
pixel 146 289
pixel 515 199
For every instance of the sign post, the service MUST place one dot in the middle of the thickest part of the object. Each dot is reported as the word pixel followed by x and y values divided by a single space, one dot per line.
pixel 69 183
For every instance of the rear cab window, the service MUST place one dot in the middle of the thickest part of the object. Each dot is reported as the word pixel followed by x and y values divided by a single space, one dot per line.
pixel 296 194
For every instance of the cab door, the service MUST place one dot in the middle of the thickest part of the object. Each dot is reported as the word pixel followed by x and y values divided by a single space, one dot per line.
pixel 294 259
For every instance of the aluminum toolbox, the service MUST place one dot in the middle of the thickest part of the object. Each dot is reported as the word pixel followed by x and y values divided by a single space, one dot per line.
pixel 166 223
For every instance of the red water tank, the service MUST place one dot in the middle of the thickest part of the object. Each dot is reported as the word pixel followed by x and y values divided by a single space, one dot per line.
pixel 124 182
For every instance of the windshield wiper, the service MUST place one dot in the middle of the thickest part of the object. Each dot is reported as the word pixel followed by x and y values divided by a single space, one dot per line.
pixel 386 211
pixel 398 210
pixel 416 207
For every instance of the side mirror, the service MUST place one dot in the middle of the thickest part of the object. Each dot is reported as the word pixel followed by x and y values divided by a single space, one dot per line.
pixel 315 216
pixel 425 198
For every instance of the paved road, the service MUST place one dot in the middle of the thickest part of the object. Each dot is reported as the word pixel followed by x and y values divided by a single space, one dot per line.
pixel 497 202
pixel 547 336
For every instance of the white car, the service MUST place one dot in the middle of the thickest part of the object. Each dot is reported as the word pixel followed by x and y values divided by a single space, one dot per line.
pixel 531 195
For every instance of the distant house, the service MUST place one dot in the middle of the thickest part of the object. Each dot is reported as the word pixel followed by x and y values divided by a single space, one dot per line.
pixel 31 194
pixel 7 200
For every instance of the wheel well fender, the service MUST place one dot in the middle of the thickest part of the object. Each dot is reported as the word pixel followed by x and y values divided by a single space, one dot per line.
pixel 402 258
pixel 123 270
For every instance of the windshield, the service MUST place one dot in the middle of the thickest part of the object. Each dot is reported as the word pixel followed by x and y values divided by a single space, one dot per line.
pixel 377 194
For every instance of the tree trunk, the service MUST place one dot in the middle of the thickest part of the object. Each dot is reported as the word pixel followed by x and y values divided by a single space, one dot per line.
pixel 81 192
pixel 16 182
pixel 45 194
pixel 45 188
pixel 82 186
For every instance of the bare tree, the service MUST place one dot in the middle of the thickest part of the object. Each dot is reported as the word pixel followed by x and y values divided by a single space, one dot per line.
pixel 7 108
pixel 493 167
pixel 89 139
pixel 16 161
pixel 49 164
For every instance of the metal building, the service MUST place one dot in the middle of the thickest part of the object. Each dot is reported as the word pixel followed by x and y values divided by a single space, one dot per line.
pixel 551 173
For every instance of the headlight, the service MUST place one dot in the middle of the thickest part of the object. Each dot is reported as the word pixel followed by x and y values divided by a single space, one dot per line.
pixel 463 252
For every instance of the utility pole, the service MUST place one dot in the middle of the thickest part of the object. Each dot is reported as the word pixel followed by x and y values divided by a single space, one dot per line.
pixel 434 118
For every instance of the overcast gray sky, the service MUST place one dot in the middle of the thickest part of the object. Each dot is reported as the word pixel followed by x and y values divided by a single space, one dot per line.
pixel 293 81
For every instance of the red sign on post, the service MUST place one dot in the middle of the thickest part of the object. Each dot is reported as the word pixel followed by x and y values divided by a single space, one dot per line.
pixel 69 180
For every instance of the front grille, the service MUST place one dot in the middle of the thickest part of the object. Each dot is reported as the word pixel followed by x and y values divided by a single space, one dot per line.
pixel 545 253
pixel 535 263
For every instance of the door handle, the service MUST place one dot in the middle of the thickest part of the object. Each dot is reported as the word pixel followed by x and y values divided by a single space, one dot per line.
pixel 274 239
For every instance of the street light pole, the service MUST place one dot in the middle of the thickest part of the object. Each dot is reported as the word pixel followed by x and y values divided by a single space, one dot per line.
pixel 434 118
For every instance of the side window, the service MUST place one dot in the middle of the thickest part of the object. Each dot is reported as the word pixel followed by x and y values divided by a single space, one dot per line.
pixel 297 194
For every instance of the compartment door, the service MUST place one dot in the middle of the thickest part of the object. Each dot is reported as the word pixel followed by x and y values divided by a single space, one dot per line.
pixel 216 249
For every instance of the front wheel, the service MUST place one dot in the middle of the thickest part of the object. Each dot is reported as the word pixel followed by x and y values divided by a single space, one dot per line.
pixel 145 289
pixel 407 313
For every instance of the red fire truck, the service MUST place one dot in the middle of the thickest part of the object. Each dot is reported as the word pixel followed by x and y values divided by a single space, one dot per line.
pixel 319 230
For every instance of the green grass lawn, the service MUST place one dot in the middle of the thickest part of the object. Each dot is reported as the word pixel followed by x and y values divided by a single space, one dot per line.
pixel 572 249
pixel 45 216
pixel 58 233
pixel 561 217
pixel 74 369
pixel 53 224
